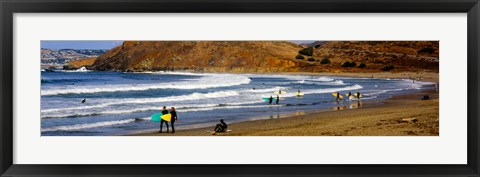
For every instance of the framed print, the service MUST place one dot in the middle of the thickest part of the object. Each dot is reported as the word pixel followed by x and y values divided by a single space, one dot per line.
pixel 239 88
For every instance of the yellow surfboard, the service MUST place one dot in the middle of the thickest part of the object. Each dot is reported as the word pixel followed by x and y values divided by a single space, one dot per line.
pixel 335 95
pixel 355 94
pixel 167 117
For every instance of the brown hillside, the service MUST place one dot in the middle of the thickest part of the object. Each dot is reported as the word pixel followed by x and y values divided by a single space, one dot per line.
pixel 268 56
pixel 237 56
pixel 75 64
pixel 403 55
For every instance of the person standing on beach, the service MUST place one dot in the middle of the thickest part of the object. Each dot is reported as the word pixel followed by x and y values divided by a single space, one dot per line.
pixel 174 118
pixel 164 112
pixel 270 100
pixel 278 99
pixel 358 95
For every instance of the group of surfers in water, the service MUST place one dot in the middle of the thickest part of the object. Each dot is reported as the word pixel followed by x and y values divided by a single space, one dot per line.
pixel 338 96
pixel 349 96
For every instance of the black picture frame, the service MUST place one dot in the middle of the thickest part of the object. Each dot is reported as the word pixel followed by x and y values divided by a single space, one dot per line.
pixel 9 7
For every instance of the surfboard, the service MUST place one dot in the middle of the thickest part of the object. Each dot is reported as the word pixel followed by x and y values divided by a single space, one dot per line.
pixel 283 92
pixel 299 94
pixel 267 98
pixel 167 117
pixel 156 117
pixel 209 131
pixel 335 95
pixel 355 94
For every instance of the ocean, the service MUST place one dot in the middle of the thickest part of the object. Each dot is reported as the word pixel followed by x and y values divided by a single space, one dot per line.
pixel 119 103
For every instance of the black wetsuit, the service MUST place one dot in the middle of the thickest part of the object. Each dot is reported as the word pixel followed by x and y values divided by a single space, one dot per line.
pixel 174 118
pixel 163 121
pixel 278 99
pixel 221 127
pixel 270 100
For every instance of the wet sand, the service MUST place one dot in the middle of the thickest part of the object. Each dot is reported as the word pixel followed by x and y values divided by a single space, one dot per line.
pixel 371 118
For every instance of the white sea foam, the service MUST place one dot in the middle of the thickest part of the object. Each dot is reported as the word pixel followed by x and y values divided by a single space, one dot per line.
pixel 207 81
pixel 87 126
pixel 189 97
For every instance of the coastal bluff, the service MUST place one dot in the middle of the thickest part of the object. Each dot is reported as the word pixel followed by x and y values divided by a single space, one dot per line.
pixel 270 56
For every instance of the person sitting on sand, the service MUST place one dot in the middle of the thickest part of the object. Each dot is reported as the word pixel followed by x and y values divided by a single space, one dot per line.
pixel 84 100
pixel 164 111
pixel 174 118
pixel 221 127
pixel 278 99
pixel 270 100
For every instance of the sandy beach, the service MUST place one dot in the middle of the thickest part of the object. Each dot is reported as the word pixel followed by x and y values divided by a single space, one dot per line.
pixel 403 115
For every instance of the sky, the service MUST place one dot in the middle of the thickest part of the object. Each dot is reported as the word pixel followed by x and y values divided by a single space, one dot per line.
pixel 80 44
pixel 106 44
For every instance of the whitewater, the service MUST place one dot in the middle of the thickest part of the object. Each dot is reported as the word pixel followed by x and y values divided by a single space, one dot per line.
pixel 119 103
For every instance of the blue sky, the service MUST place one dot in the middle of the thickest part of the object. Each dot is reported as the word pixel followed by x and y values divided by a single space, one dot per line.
pixel 84 44
pixel 80 44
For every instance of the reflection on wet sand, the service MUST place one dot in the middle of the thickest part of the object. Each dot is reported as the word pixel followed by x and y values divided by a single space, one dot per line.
pixel 352 105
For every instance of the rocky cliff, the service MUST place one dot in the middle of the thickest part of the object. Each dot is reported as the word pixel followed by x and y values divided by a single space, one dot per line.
pixel 270 56
pixel 236 56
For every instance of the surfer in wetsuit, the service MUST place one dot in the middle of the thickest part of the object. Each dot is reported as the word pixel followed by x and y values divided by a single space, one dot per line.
pixel 84 100
pixel 221 127
pixel 270 100
pixel 278 99
pixel 338 96
pixel 358 95
pixel 174 118
pixel 164 111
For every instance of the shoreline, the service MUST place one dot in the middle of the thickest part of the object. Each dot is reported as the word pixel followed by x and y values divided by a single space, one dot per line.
pixel 371 118
pixel 419 76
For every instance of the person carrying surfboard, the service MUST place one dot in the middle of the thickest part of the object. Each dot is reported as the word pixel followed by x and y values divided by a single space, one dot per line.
pixel 359 95
pixel 164 112
pixel 270 100
pixel 338 96
pixel 174 118
pixel 278 99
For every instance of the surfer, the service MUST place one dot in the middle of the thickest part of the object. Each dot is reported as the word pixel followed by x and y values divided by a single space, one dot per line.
pixel 279 91
pixel 174 118
pixel 270 100
pixel 278 99
pixel 164 112
pixel 349 94
pixel 338 96
pixel 221 127
pixel 358 95
pixel 84 100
